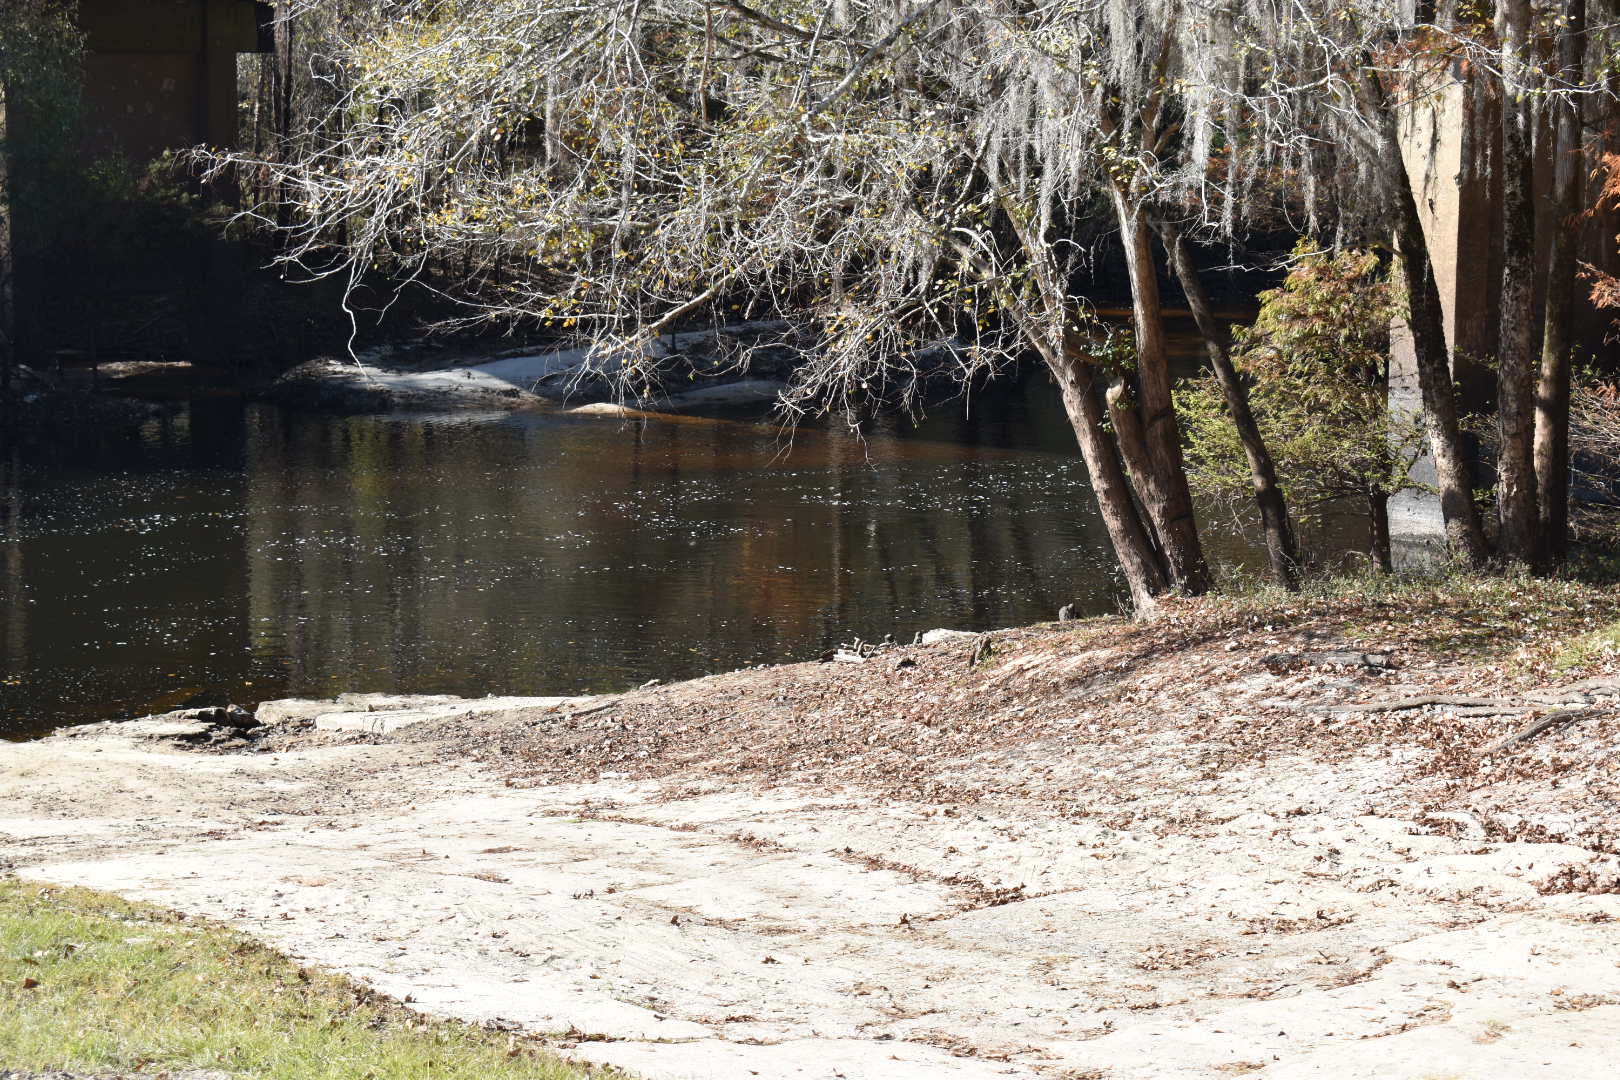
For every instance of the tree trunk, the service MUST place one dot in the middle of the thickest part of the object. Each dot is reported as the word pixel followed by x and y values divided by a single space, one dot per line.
pixel 1163 484
pixel 1378 547
pixel 1552 391
pixel 1066 356
pixel 1126 416
pixel 1268 495
pixel 281 104
pixel 1077 381
pixel 1464 536
pixel 1515 379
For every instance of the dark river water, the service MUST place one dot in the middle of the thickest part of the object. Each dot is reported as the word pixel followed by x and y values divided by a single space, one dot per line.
pixel 235 553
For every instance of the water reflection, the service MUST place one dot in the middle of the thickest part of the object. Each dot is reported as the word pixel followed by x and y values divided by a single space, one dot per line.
pixel 235 554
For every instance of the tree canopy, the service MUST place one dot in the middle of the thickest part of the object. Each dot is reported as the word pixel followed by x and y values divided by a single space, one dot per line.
pixel 912 190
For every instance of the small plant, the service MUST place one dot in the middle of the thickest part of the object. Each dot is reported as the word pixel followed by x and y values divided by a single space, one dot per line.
pixel 1599 645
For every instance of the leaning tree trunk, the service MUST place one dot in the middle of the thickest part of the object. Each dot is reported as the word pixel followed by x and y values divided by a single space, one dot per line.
pixel 1516 360
pixel 1464 536
pixel 1551 449
pixel 1163 484
pixel 1076 379
pixel 1143 573
pixel 1126 417
pixel 1268 495
pixel 1067 357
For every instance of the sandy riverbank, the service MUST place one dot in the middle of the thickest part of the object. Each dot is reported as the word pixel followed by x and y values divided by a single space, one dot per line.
pixel 1101 850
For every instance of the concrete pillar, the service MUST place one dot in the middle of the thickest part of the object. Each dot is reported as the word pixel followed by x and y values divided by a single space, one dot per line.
pixel 219 270
pixel 1447 144
pixel 1452 148
pixel 162 75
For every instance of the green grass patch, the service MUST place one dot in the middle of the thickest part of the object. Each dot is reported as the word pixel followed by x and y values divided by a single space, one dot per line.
pixel 94 983
pixel 1587 649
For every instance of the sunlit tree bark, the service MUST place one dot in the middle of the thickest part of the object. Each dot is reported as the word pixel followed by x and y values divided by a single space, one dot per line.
pixel 1553 386
pixel 1161 480
pixel 1517 355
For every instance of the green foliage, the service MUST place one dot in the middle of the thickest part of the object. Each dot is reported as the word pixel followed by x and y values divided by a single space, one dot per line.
pixel 1598 646
pixel 90 982
pixel 71 203
pixel 40 57
pixel 1317 361
pixel 41 72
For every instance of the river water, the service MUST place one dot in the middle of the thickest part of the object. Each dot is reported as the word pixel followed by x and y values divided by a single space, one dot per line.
pixel 240 553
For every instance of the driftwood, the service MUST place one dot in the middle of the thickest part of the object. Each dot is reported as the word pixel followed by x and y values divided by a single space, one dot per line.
pixel 1401 704
pixel 1336 658
pixel 1561 718
pixel 1466 705
pixel 1606 686
pixel 569 717
pixel 1565 696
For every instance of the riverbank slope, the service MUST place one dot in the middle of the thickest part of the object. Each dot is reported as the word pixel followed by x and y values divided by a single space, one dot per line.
pixel 1284 839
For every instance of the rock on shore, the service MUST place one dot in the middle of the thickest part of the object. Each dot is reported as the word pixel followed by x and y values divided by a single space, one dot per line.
pixel 687 368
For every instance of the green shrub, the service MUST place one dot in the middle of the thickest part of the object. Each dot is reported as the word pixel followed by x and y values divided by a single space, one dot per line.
pixel 1317 361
